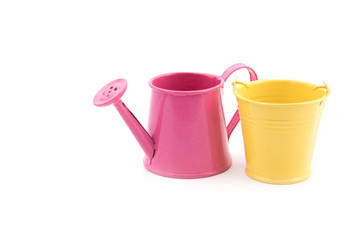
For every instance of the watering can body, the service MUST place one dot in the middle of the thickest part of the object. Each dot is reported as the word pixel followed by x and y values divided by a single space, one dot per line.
pixel 189 132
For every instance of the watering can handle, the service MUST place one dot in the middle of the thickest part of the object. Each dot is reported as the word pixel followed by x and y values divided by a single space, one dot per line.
pixel 236 118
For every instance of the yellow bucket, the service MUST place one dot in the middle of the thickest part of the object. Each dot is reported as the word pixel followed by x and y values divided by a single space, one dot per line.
pixel 279 120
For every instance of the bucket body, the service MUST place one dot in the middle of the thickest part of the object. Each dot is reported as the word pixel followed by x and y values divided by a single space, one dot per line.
pixel 187 124
pixel 280 120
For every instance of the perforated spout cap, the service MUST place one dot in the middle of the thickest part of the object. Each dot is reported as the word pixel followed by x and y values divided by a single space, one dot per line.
pixel 110 93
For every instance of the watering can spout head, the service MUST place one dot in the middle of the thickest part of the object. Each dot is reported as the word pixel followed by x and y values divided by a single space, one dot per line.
pixel 111 94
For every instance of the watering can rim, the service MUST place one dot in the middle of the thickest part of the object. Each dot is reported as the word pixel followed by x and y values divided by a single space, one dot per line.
pixel 184 92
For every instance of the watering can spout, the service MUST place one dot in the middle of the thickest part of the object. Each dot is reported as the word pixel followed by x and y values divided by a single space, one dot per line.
pixel 111 94
pixel 141 135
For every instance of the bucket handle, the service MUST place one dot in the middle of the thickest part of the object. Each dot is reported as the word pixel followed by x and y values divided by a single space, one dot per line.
pixel 253 76
pixel 241 83
pixel 324 87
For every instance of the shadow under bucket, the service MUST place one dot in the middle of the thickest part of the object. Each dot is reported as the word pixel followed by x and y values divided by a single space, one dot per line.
pixel 280 120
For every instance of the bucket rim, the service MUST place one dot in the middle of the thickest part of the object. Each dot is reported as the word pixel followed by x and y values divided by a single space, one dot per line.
pixel 237 86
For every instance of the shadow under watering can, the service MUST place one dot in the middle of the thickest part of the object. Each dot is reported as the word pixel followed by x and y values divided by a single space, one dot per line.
pixel 187 135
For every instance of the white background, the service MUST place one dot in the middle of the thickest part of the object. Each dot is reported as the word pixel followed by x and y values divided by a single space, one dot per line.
pixel 69 170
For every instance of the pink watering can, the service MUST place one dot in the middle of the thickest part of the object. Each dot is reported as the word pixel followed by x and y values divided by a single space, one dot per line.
pixel 187 135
